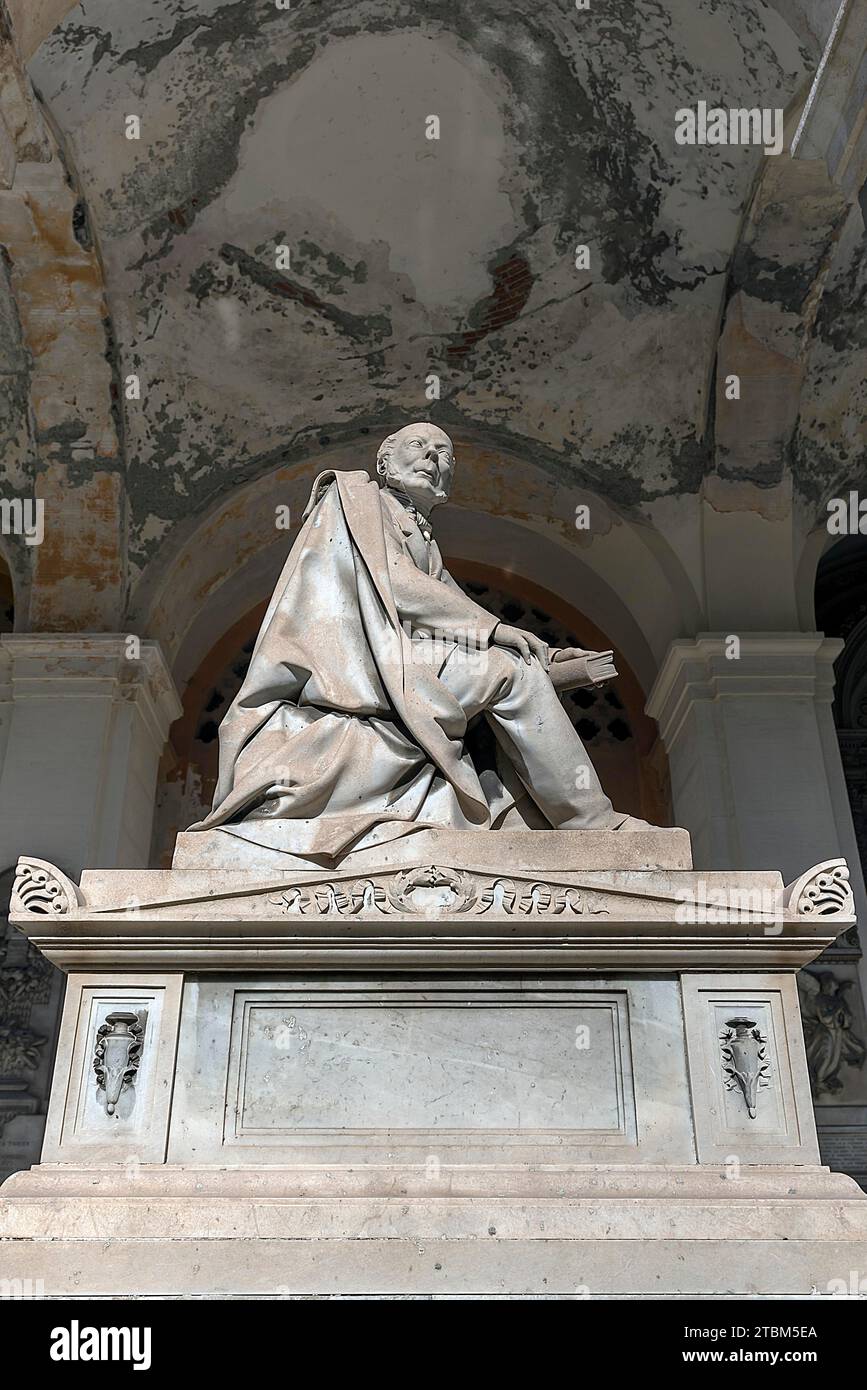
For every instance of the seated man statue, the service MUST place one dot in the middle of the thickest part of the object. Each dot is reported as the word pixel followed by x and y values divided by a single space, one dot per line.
pixel 351 722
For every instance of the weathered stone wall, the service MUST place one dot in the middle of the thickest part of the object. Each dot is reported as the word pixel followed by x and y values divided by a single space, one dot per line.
pixel 411 257
pixel 408 257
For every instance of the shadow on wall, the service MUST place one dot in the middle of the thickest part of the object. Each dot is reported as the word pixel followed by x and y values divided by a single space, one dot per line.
pixel 841 611
pixel 7 600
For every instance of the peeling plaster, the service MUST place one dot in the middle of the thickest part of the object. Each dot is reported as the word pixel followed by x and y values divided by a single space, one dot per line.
pixel 454 257
pixel 559 142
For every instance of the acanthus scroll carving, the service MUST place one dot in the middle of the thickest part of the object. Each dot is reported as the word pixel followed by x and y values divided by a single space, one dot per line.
pixel 42 890
pixel 333 899
pixel 290 901
pixel 823 891
pixel 539 900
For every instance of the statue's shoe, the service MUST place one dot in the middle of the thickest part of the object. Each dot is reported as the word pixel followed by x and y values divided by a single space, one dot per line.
pixel 621 821
pixel 635 823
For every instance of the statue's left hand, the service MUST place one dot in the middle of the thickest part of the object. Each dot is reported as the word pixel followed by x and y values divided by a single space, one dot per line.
pixel 568 653
pixel 526 644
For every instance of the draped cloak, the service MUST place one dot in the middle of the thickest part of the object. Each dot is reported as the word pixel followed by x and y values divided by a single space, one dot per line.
pixel 342 727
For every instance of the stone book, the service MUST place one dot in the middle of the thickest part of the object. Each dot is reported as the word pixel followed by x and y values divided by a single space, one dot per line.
pixel 573 670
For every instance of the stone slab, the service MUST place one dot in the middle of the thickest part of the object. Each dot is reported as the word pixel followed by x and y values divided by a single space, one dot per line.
pixel 536 852
pixel 774 1232
pixel 703 1183
pixel 472 1268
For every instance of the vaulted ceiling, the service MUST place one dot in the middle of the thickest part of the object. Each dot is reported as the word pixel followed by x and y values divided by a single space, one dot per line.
pixel 412 257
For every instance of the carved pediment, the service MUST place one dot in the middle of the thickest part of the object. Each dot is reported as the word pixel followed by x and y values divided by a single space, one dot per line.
pixel 435 890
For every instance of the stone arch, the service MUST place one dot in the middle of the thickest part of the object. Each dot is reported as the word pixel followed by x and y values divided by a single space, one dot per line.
pixel 792 325
pixel 570 365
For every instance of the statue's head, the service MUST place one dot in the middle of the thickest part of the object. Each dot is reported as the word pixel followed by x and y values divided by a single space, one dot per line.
pixel 418 460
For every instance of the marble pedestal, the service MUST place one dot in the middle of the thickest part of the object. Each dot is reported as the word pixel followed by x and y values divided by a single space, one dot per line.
pixel 518 1064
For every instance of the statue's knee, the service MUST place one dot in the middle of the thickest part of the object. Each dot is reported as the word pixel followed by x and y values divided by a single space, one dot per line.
pixel 503 666
pixel 514 675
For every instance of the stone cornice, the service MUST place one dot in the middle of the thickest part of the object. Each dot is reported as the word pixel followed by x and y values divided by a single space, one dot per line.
pixel 431 916
pixel 781 664
pixel 77 666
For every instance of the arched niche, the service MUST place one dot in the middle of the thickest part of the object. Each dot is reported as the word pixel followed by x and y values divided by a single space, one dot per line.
pixel 827 538
pixel 841 611
pixel 7 597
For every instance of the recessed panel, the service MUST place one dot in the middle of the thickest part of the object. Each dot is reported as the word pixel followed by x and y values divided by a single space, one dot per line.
pixel 428 1066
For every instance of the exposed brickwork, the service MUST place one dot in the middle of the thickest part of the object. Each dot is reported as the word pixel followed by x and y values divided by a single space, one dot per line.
pixel 513 281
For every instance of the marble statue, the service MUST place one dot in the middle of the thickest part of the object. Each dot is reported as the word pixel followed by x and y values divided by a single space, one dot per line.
pixel 370 663
pixel 343 991
pixel 828 1030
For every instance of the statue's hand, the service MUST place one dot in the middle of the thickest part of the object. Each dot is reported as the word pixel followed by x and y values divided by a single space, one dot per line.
pixel 568 653
pixel 526 644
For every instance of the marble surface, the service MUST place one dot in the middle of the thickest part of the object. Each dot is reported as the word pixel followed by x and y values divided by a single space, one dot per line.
pixel 444 1070
pixel 474 1080
pixel 599 1233
pixel 266 847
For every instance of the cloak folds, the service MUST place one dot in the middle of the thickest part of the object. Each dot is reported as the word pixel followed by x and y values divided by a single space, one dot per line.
pixel 342 726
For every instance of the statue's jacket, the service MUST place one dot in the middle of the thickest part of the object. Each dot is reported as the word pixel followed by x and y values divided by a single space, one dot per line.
pixel 342 725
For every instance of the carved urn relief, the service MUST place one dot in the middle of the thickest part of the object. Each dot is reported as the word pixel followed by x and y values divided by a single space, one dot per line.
pixel 745 1060
pixel 117 1056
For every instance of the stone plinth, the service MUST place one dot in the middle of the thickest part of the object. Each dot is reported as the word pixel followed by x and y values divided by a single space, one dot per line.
pixel 262 845
pixel 555 1232
pixel 472 1074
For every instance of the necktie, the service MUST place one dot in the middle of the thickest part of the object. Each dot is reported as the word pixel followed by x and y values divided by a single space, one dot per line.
pixel 418 517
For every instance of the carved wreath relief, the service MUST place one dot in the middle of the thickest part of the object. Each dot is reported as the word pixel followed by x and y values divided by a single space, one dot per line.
pixel 117 1055
pixel 745 1060
pixel 434 889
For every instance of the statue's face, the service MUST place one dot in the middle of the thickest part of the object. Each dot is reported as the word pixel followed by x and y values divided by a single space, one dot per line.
pixel 421 464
